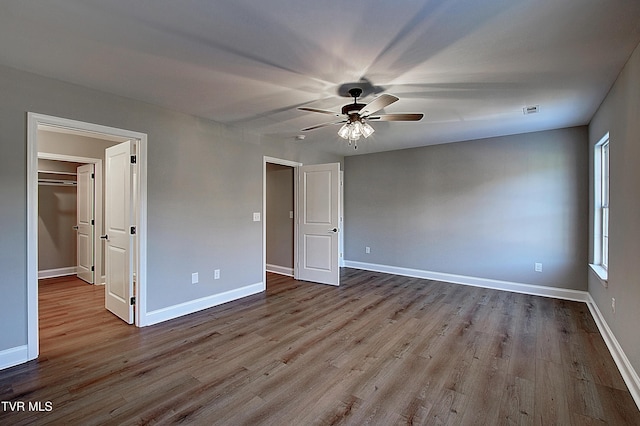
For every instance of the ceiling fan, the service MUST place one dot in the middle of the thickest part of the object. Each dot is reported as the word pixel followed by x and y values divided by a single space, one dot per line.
pixel 355 123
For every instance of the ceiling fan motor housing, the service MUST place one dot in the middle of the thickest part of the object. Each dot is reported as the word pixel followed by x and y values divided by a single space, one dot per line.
pixel 352 108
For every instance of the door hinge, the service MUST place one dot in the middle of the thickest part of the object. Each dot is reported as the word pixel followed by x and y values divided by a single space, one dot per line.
pixel 133 230
pixel 93 268
pixel 93 222
pixel 133 159
pixel 133 301
pixel 93 175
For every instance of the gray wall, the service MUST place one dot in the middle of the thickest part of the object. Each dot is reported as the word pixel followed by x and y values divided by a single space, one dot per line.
pixel 619 115
pixel 68 144
pixel 279 224
pixel 204 183
pixel 488 208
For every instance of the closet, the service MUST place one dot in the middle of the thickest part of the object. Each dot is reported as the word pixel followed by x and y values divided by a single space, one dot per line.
pixel 57 205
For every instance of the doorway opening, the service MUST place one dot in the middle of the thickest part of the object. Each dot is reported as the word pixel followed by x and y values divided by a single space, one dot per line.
pixel 37 124
pixel 279 207
pixel 69 213
pixel 279 219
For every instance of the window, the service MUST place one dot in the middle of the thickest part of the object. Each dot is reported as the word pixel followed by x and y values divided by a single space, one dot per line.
pixel 601 214
pixel 604 203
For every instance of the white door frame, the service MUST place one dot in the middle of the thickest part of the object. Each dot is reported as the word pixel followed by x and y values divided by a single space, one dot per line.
pixel 295 166
pixel 97 200
pixel 34 121
pixel 341 221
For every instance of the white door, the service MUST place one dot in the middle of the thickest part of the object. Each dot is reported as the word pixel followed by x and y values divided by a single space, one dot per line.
pixel 118 237
pixel 318 226
pixel 85 223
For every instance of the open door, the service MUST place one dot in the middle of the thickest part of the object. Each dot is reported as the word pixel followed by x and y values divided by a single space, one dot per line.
pixel 118 231
pixel 318 226
pixel 85 226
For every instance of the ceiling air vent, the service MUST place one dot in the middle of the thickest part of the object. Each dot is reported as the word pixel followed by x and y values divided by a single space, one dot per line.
pixel 531 109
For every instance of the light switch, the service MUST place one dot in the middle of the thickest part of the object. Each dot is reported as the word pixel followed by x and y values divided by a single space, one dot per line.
pixel 291 214
pixel 256 216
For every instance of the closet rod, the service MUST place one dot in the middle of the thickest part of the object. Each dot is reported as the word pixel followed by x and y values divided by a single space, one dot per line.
pixel 57 182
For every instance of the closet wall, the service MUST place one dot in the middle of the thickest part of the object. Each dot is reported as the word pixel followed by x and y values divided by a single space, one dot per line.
pixel 56 217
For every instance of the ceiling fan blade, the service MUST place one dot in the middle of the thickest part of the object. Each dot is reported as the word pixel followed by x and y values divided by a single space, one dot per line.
pixel 317 126
pixel 321 111
pixel 377 104
pixel 398 117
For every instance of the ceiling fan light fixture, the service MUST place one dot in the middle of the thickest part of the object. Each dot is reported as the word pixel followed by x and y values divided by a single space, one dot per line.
pixel 351 131
pixel 355 129
pixel 344 131
pixel 367 130
pixel 353 134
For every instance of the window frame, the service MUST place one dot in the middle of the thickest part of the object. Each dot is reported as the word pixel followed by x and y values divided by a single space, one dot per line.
pixel 601 213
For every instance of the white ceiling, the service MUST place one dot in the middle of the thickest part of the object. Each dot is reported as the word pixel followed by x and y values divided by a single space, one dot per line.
pixel 470 66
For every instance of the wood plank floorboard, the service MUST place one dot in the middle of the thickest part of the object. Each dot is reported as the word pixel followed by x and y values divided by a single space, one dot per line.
pixel 380 349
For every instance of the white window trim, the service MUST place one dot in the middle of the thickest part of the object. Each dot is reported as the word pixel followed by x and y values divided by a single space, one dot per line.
pixel 602 273
pixel 597 265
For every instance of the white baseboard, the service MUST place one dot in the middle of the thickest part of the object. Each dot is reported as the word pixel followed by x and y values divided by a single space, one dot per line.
pixel 186 308
pixel 282 270
pixel 627 371
pixel 536 290
pixel 57 272
pixel 13 356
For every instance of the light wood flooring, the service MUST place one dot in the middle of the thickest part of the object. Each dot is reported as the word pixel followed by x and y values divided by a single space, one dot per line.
pixel 379 349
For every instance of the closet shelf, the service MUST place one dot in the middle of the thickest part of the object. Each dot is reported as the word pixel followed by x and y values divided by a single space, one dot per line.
pixel 54 172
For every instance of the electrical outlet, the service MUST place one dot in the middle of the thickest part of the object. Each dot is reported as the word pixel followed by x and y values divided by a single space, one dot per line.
pixel 537 267
pixel 256 216
pixel 194 278
pixel 613 305
pixel 216 274
pixel 367 250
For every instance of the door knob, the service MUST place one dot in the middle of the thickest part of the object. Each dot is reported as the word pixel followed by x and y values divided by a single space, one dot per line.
pixel 333 230
pixel 104 237
pixel 75 227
